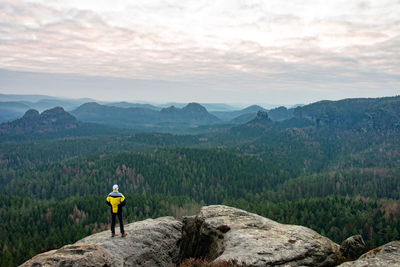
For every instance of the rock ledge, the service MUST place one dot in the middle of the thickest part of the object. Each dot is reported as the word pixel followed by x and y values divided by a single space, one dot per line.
pixel 216 233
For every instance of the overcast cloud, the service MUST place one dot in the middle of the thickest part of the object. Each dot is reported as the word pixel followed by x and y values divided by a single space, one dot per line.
pixel 274 51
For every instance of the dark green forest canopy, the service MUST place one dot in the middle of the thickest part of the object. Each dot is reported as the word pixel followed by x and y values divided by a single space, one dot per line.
pixel 70 194
pixel 208 175
pixel 314 169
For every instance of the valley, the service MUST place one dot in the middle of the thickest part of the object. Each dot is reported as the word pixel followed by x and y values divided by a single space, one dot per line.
pixel 332 166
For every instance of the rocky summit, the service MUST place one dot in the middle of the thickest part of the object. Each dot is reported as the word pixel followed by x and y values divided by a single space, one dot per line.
pixel 217 233
pixel 385 256
pixel 52 120
pixel 254 240
pixel 148 243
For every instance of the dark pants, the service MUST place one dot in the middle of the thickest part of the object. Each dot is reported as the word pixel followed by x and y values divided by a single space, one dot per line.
pixel 121 223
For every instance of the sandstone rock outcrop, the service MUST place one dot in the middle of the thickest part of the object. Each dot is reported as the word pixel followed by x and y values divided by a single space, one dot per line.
pixel 52 120
pixel 385 256
pixel 216 233
pixel 149 243
pixel 254 240
pixel 73 255
pixel 353 247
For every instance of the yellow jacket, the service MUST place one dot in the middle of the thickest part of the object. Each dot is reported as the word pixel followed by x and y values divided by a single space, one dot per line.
pixel 116 200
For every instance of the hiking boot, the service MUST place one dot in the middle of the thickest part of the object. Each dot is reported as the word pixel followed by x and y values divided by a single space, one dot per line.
pixel 124 234
pixel 112 234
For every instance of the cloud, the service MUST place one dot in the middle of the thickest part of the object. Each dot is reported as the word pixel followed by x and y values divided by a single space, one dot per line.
pixel 231 45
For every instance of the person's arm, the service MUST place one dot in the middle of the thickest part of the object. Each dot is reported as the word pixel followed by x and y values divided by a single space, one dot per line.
pixel 108 201
pixel 123 201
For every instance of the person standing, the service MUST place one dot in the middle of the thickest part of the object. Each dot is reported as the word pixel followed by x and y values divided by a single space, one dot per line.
pixel 116 201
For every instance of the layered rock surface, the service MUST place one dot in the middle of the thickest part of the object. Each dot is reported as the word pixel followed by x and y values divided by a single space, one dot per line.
pixel 254 240
pixel 148 243
pixel 353 247
pixel 216 233
pixel 385 256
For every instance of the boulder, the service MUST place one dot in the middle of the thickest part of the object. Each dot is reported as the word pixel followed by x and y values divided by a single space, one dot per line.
pixel 73 255
pixel 353 247
pixel 385 256
pixel 225 233
pixel 152 242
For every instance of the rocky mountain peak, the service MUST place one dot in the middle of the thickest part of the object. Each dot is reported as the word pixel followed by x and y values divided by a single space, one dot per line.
pixel 54 111
pixel 171 109
pixel 195 107
pixel 262 115
pixel 31 114
pixel 193 113
pixel 88 106
pixel 254 109
pixel 52 120
pixel 57 115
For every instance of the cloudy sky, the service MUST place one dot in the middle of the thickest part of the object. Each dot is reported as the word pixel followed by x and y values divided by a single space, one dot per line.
pixel 232 51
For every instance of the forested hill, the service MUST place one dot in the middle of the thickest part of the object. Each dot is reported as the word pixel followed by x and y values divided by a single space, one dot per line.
pixel 51 124
pixel 52 120
pixel 329 168
pixel 343 133
pixel 191 114
pixel 380 114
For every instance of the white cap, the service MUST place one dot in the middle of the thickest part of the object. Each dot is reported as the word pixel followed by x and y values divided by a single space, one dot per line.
pixel 115 187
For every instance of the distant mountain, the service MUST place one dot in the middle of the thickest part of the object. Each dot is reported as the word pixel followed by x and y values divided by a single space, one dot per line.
pixel 54 123
pixel 255 127
pixel 197 114
pixel 52 120
pixel 329 119
pixel 29 98
pixel 67 104
pixel 243 118
pixel 191 114
pixel 361 114
pixel 280 113
pixel 124 117
pixel 14 106
pixel 124 104
pixel 276 114
pixel 261 120
pixel 43 102
pixel 218 107
pixel 296 105
pixel 253 108
pixel 12 110
pixel 211 107
pixel 231 115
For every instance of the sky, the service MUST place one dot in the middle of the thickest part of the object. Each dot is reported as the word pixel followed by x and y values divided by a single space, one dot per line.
pixel 231 51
